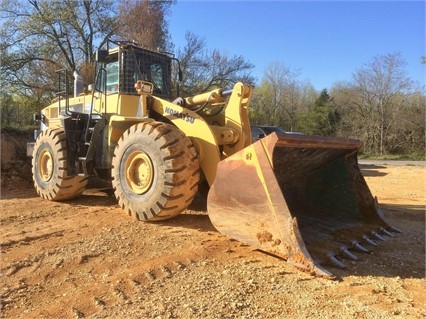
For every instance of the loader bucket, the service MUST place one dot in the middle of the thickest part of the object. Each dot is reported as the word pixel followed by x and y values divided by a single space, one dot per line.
pixel 302 198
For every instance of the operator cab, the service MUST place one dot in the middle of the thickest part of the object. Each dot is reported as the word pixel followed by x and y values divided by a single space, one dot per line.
pixel 120 68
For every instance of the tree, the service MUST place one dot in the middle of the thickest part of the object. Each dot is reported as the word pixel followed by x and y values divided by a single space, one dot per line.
pixel 204 70
pixel 41 36
pixel 278 99
pixel 144 22
pixel 8 109
pixel 408 135
pixel 374 100
pixel 321 118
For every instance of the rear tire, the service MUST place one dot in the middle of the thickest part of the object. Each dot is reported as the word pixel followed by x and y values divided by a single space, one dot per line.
pixel 155 171
pixel 49 168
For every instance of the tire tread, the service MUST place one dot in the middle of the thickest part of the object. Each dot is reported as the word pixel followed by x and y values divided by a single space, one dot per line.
pixel 181 171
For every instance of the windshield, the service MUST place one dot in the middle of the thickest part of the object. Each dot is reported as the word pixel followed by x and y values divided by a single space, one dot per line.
pixel 139 64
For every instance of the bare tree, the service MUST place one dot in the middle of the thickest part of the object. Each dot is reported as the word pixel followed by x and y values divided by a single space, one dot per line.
pixel 277 101
pixel 382 90
pixel 204 70
pixel 374 101
pixel 144 22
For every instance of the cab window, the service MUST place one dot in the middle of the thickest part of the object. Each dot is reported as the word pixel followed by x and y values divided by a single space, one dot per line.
pixel 112 84
pixel 157 78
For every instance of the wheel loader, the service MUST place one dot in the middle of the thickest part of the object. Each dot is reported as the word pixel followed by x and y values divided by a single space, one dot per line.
pixel 301 198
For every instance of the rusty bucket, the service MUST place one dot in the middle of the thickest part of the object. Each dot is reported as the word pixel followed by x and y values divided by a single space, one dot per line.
pixel 302 198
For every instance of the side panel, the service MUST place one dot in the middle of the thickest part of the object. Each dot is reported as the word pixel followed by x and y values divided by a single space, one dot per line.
pixel 195 127
pixel 119 104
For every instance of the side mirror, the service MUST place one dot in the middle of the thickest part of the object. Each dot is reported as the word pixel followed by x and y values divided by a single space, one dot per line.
pixel 101 56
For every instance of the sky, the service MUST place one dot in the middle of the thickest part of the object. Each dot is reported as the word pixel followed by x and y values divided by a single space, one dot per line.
pixel 327 40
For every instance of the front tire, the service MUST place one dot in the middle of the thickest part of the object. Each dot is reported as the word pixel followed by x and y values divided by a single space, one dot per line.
pixel 155 171
pixel 49 168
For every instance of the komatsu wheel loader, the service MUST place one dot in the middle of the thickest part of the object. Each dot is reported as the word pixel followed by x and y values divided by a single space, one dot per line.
pixel 302 198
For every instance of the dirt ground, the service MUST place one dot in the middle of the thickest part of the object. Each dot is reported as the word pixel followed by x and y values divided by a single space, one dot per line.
pixel 87 258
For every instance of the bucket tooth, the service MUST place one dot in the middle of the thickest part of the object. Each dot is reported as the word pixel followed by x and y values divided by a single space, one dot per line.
pixel 345 251
pixel 378 236
pixel 335 261
pixel 370 241
pixel 359 247
pixel 394 229
pixel 387 233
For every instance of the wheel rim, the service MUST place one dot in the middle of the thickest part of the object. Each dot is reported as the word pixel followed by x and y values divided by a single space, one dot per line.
pixel 139 172
pixel 45 165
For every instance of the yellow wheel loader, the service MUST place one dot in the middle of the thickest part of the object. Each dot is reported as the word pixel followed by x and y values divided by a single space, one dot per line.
pixel 299 197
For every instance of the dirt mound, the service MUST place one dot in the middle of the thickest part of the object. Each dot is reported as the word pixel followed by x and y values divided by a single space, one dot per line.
pixel 15 165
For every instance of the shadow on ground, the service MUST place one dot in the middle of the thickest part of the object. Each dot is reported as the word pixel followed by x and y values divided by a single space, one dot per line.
pixel 371 170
